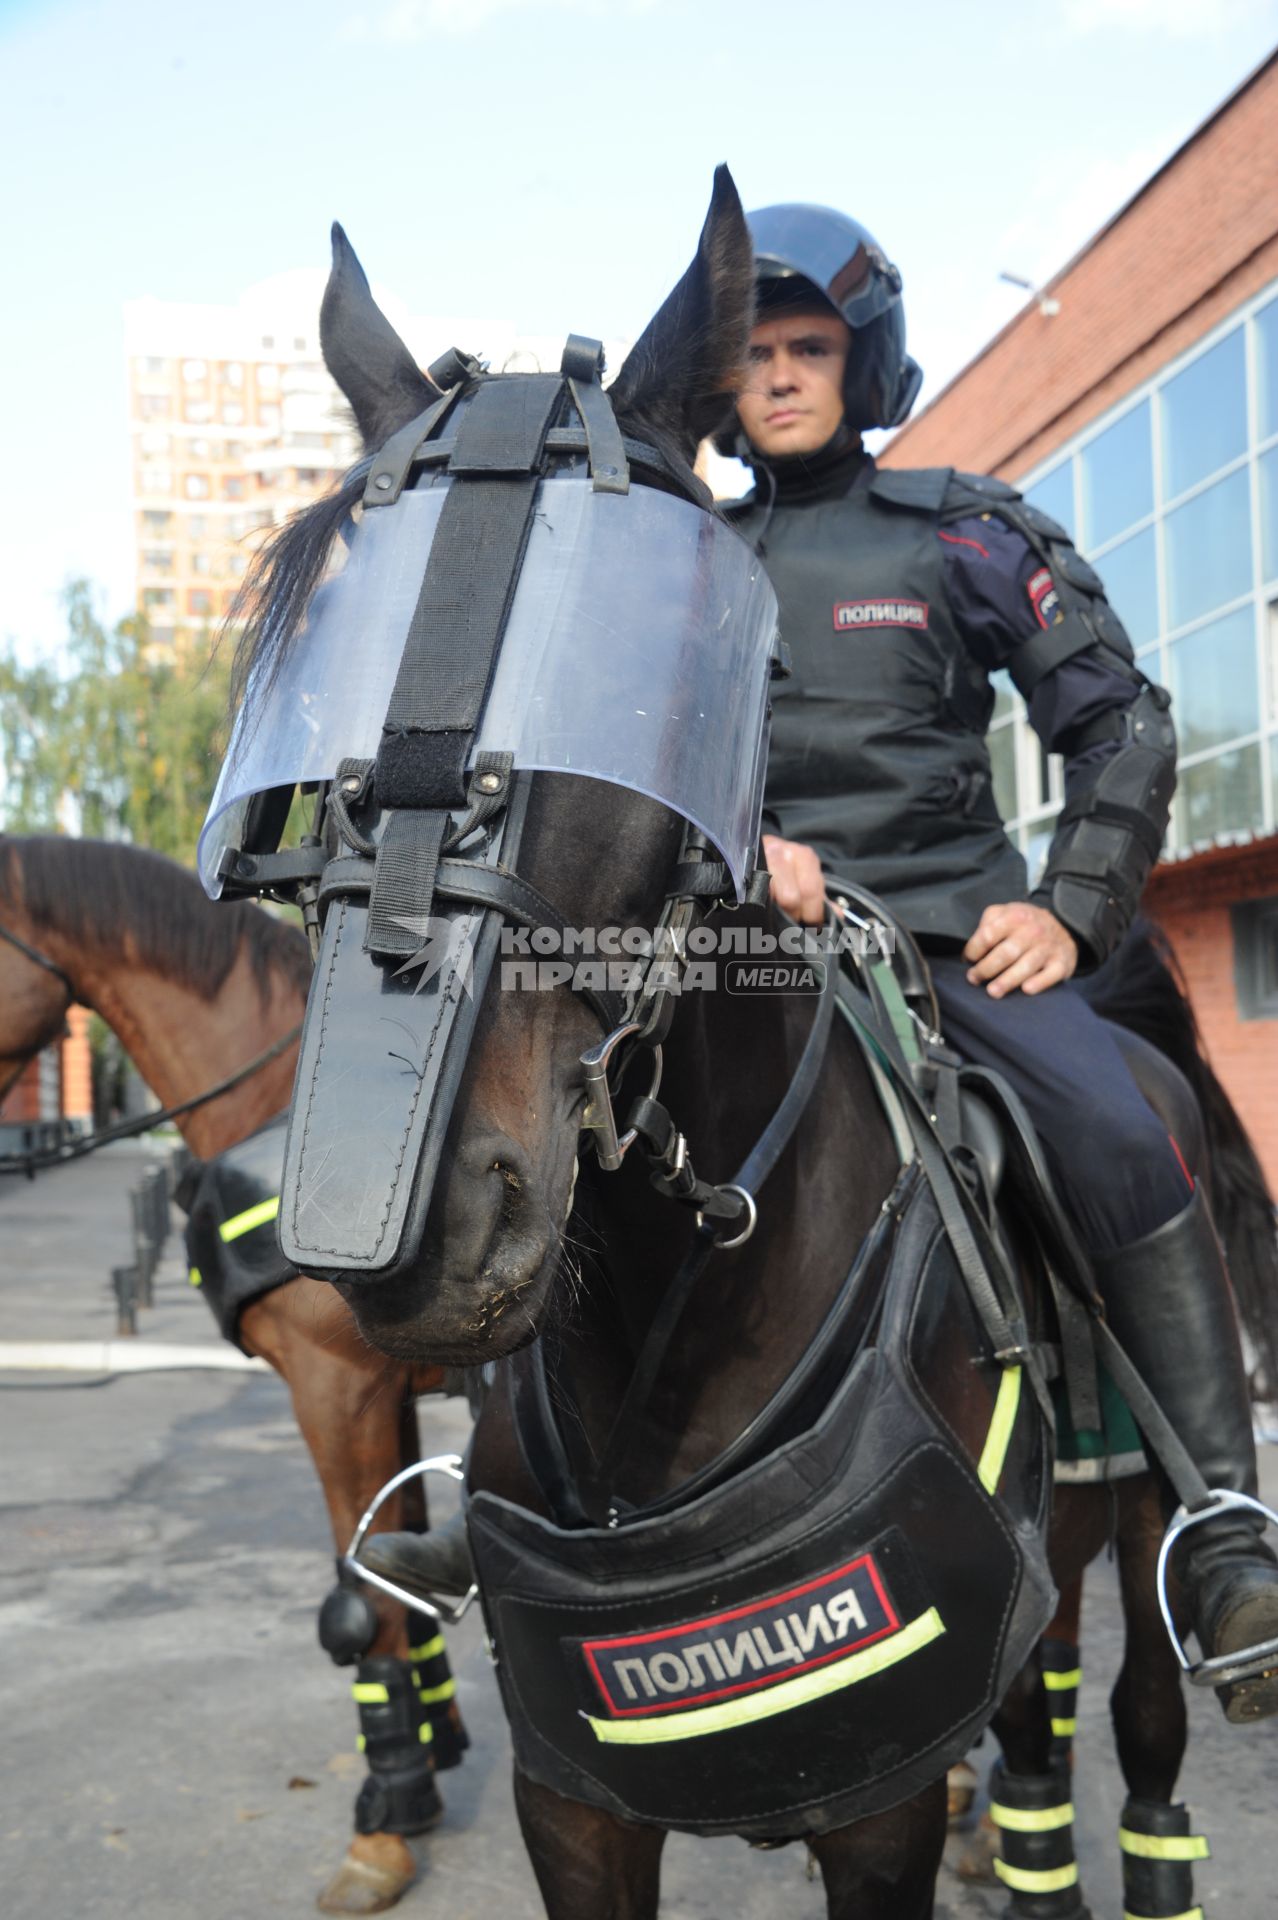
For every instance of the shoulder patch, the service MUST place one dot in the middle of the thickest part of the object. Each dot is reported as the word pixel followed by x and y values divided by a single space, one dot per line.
pixel 1044 598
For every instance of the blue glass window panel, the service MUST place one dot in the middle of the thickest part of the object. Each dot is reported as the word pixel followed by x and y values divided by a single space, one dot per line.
pixel 1130 573
pixel 1219 796
pixel 1209 550
pixel 1267 368
pixel 1118 478
pixel 1002 746
pixel 1212 674
pixel 1037 850
pixel 1055 495
pixel 1269 514
pixel 1204 415
pixel 1004 694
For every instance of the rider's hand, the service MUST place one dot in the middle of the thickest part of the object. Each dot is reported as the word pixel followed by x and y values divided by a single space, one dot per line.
pixel 1020 945
pixel 798 884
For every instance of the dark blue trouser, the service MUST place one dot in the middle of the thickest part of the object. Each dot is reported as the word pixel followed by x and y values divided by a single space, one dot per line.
pixel 1114 1162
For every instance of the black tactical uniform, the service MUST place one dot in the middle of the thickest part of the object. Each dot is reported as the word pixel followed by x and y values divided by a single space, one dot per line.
pixel 879 761
pixel 901 592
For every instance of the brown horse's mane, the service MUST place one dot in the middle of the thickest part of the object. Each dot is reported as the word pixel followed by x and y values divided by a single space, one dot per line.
pixel 128 902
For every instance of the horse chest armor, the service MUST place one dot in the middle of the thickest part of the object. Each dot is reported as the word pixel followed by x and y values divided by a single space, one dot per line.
pixel 809 1642
pixel 878 754
pixel 231 1243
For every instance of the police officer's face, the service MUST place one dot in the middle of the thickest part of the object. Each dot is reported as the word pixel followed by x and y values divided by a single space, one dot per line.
pixel 792 401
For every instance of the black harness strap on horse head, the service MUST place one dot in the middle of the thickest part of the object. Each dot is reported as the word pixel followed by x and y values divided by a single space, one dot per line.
pixel 461 610
pixel 40 959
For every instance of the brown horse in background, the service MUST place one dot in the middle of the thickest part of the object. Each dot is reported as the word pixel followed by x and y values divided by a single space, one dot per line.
pixel 193 992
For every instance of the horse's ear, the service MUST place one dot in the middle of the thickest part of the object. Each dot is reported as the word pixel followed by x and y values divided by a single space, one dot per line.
pixel 364 354
pixel 680 378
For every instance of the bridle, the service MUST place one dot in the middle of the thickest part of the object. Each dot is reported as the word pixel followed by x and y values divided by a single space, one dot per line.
pixel 433 818
pixel 40 959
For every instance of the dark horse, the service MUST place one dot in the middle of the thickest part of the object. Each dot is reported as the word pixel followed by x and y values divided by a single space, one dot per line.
pixel 193 992
pixel 497 1266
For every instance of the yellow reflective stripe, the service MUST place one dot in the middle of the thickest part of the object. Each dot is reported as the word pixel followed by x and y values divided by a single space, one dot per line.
pixel 1062 1682
pixel 998 1439
pixel 369 1693
pixel 360 1743
pixel 1190 1913
pixel 1037 1879
pixel 425 1733
pixel 428 1695
pixel 427 1652
pixel 196 1277
pixel 1029 1820
pixel 1154 1846
pixel 779 1699
pixel 251 1217
pixel 1064 1729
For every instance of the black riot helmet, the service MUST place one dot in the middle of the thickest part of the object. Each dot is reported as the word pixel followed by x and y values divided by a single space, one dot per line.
pixel 806 252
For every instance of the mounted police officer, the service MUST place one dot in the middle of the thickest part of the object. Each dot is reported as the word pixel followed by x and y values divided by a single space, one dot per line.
pixel 901 593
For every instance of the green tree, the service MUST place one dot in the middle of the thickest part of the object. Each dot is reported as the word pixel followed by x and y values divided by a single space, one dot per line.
pixel 130 738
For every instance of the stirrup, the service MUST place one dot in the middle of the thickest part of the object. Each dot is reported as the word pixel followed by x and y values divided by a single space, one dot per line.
pixel 1225 1669
pixel 438 1610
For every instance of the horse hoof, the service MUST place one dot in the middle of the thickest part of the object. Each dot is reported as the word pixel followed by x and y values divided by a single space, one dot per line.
pixel 377 1869
pixel 961 1784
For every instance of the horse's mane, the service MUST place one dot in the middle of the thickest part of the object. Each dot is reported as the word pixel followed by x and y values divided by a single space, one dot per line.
pixel 282 576
pixel 125 900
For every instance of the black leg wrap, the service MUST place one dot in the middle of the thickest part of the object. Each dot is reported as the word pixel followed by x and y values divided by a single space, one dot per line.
pixel 1035 1819
pixel 1158 1855
pixel 399 1794
pixel 436 1694
pixel 1062 1672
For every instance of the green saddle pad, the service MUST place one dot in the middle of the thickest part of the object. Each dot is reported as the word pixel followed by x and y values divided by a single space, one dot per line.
pixel 1083 1453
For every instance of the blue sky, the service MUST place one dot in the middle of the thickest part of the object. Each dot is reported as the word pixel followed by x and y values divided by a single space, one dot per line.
pixel 546 161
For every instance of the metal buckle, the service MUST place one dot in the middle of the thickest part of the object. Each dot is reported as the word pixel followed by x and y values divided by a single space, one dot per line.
pixel 752 1220
pixel 1224 1669
pixel 599 1117
pixel 441 1613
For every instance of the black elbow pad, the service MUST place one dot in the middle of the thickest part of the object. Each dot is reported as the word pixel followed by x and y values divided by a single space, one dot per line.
pixel 1108 837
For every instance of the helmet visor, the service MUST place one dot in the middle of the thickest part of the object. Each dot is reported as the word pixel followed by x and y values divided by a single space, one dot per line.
pixel 838 257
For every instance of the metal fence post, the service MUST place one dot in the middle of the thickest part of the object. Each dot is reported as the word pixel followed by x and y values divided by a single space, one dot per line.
pixel 142 1245
pixel 124 1280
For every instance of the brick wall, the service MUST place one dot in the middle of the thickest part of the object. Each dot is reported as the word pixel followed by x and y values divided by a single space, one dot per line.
pixel 1191 900
pixel 38 1094
pixel 77 1068
pixel 22 1102
pixel 1199 239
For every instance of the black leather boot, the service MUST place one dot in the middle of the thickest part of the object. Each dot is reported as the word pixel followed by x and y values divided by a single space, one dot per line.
pixel 426 1563
pixel 1169 1301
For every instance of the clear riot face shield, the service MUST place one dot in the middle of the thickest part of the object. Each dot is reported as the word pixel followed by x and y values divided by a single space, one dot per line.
pixel 509 614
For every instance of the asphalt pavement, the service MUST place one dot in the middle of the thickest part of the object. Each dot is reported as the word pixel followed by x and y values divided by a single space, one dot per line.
pixel 177 1745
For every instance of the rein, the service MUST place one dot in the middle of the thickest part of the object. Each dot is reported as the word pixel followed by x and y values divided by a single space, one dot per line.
pixel 745 1183
pixel 40 959
pixel 31 1163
